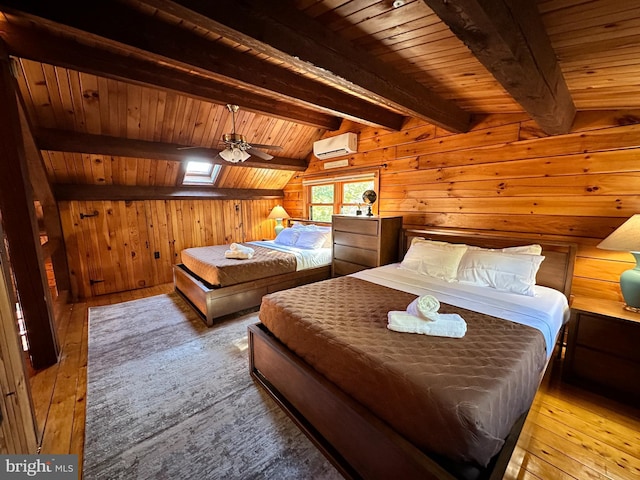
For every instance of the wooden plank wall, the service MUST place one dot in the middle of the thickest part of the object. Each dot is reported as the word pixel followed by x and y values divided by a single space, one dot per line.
pixel 507 175
pixel 118 244
pixel 18 429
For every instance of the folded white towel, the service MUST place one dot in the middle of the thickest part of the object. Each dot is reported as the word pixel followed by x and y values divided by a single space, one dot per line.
pixel 238 254
pixel 238 247
pixel 426 307
pixel 447 325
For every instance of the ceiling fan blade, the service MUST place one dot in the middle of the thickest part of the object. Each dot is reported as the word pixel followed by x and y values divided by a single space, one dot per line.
pixel 266 147
pixel 259 153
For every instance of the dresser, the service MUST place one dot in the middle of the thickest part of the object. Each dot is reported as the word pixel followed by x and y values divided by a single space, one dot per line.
pixel 603 348
pixel 361 242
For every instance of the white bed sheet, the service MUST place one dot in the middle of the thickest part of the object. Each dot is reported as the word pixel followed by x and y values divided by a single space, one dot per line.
pixel 546 311
pixel 305 258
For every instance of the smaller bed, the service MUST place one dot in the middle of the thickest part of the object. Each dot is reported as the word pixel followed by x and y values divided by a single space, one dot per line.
pixel 215 285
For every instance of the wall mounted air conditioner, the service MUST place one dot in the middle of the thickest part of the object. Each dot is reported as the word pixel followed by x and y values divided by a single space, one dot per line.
pixel 343 144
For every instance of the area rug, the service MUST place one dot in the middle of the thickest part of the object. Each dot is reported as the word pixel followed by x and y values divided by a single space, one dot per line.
pixel 169 398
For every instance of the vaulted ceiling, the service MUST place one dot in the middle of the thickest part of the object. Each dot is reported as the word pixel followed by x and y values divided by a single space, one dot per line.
pixel 114 90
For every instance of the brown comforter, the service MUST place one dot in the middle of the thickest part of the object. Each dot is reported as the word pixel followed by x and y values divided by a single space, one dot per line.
pixel 210 264
pixel 455 397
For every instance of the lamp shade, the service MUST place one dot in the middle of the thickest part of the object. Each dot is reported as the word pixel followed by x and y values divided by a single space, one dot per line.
pixel 627 238
pixel 278 212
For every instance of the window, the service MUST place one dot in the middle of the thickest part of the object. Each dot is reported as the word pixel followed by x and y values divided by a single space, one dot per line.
pixel 352 195
pixel 325 197
pixel 321 204
pixel 200 173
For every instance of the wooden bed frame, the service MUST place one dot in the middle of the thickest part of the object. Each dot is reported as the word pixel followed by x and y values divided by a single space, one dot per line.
pixel 213 303
pixel 357 443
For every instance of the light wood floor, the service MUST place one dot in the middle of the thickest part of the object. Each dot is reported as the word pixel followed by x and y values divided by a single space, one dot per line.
pixel 569 434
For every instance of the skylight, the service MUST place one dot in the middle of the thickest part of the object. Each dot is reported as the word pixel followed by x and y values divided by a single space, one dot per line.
pixel 199 168
pixel 200 173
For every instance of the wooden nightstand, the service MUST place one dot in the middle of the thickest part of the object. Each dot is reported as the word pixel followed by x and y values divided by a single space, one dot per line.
pixel 603 348
pixel 364 242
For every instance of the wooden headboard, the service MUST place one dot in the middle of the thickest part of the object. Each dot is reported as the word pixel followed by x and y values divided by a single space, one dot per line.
pixel 556 271
pixel 305 221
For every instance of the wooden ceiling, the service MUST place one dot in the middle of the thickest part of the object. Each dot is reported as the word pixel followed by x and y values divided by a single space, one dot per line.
pixel 113 90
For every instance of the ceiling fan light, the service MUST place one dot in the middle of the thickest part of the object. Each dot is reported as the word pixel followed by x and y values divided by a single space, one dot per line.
pixel 241 154
pixel 227 155
pixel 234 155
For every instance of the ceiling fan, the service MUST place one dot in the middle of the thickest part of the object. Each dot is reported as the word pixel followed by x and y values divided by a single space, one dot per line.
pixel 237 148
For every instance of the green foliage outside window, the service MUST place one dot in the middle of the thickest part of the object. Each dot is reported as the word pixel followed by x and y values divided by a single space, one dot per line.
pixel 321 213
pixel 321 207
pixel 352 192
pixel 322 194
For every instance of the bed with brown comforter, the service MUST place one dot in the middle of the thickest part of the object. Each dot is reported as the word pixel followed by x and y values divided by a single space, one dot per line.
pixel 458 397
pixel 211 265
pixel 381 404
pixel 216 286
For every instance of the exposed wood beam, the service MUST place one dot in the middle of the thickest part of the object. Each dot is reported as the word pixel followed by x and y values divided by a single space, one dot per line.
pixel 21 229
pixel 510 40
pixel 170 43
pixel 44 47
pixel 127 192
pixel 280 31
pixel 68 141
pixel 50 214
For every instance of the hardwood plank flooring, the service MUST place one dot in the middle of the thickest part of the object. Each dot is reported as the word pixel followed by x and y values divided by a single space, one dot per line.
pixel 570 433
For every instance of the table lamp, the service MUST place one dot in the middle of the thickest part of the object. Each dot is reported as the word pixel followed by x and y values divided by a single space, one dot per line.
pixel 278 213
pixel 627 238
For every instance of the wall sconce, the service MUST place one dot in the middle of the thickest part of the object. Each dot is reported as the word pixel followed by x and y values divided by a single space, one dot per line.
pixel 278 213
pixel 627 238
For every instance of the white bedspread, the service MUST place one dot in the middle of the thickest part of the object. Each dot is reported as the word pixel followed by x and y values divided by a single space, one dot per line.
pixel 305 258
pixel 547 311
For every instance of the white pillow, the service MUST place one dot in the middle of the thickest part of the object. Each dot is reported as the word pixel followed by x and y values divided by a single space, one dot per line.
pixel 328 243
pixel 287 236
pixel 509 272
pixel 312 239
pixel 436 259
pixel 316 228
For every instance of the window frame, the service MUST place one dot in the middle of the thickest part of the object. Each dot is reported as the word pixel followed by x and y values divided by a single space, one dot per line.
pixel 338 183
pixel 201 178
